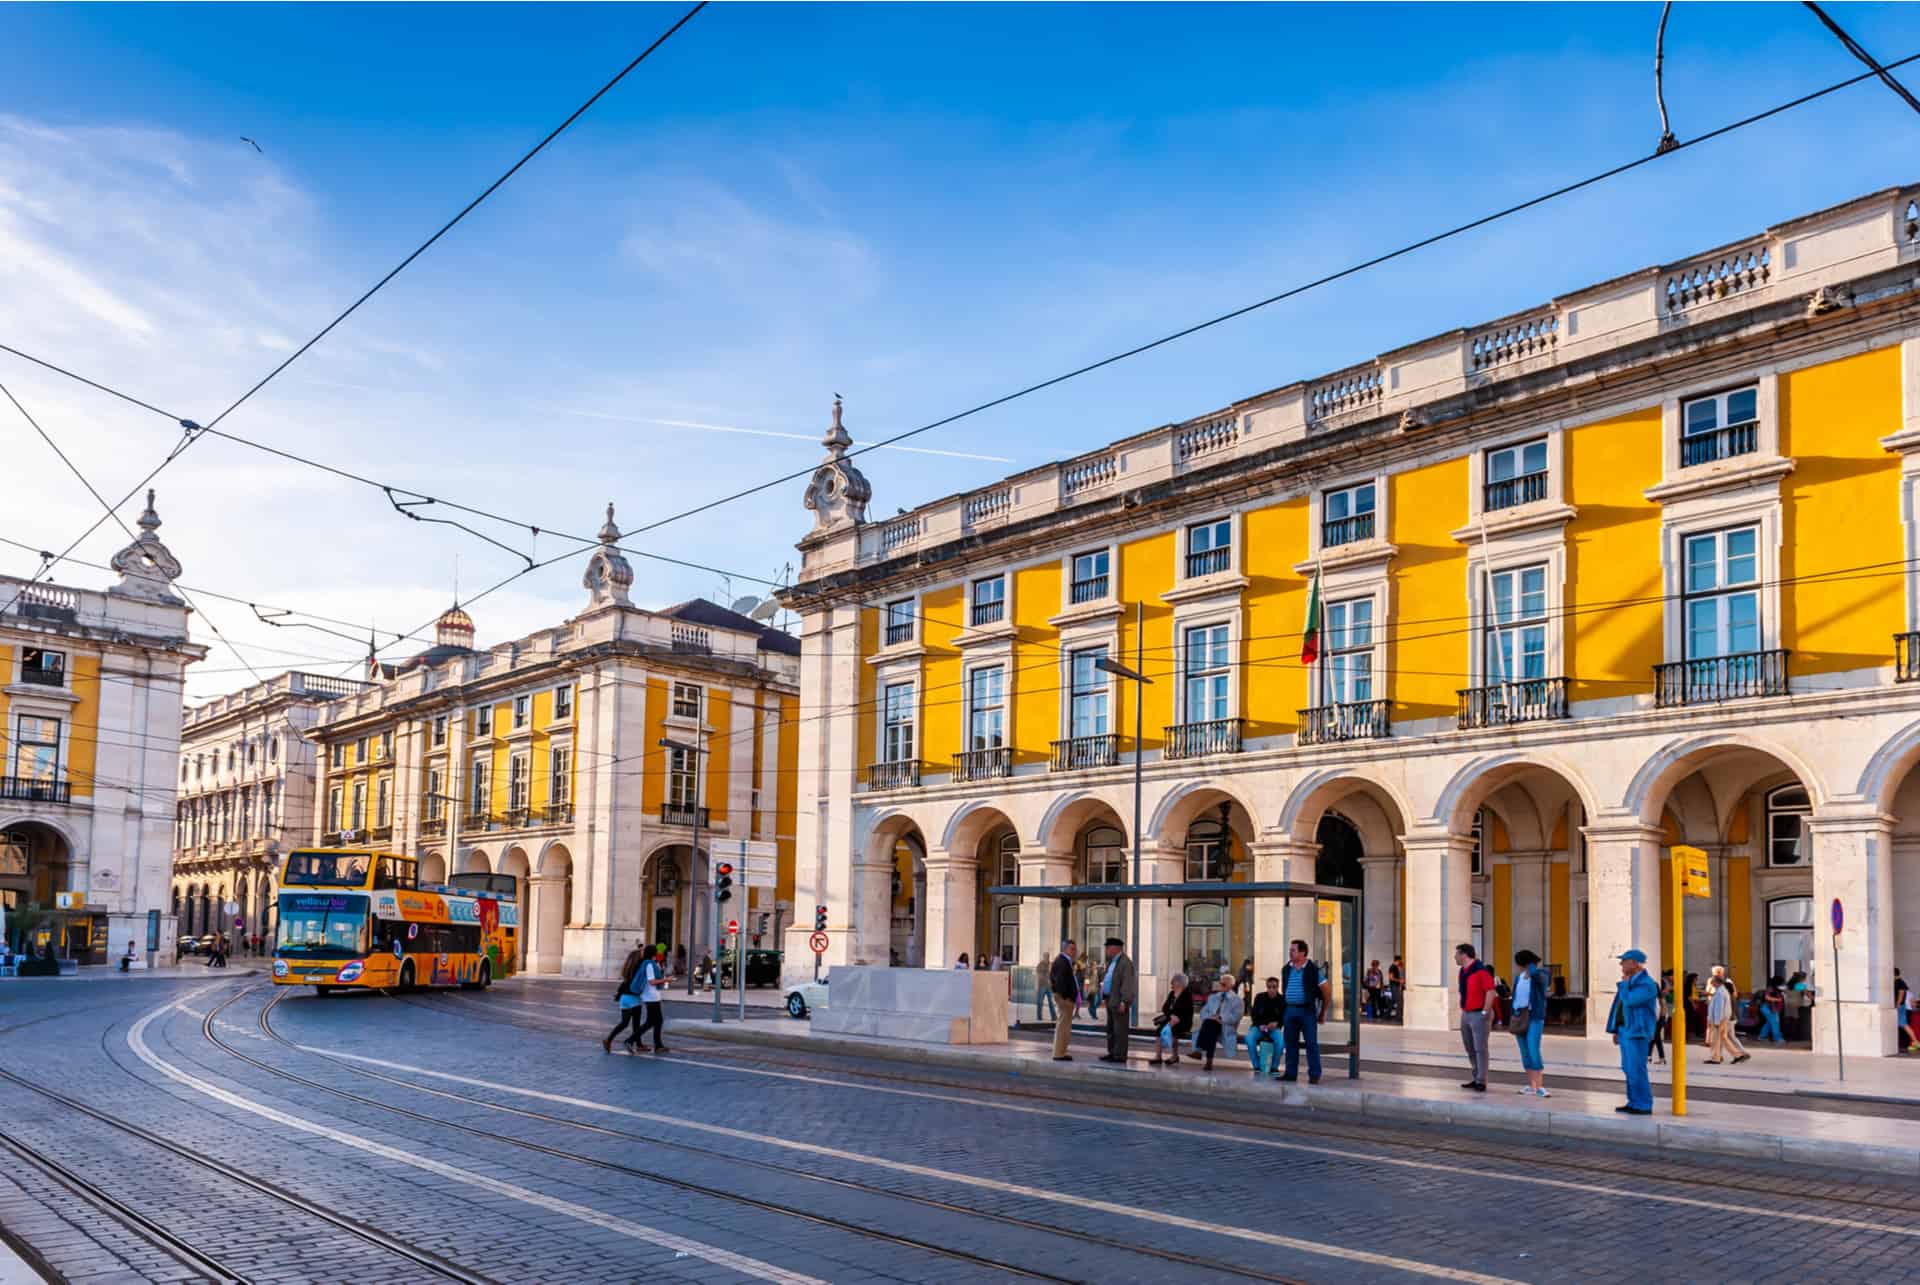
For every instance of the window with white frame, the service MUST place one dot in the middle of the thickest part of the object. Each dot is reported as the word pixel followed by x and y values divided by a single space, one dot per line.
pixel 1517 624
pixel 683 783
pixel 480 787
pixel 1089 581
pixel 1346 515
pixel 359 754
pixel 1007 934
pixel 1477 860
pixel 899 621
pixel 386 744
pixel 1088 693
pixel 1348 668
pixel 1209 547
pixel 522 711
pixel 439 730
pixel 517 782
pixel 1720 426
pixel 483 721
pixel 563 701
pixel 1207 684
pixel 1516 475
pixel 1479 930
pixel 266 807
pixel 359 820
pixel 1790 936
pixel 1204 933
pixel 1106 855
pixel 1787 810
pixel 989 601
pixel 686 700
pixel 436 790
pixel 986 708
pixel 1722 594
pixel 43 668
pixel 383 802
pixel 560 775
pixel 337 754
pixel 896 744
pixel 36 748
pixel 333 809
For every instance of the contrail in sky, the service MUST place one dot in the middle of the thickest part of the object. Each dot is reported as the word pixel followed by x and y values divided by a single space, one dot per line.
pixel 767 432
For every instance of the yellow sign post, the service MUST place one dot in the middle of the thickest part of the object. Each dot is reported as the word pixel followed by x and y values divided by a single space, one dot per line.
pixel 1689 880
pixel 1326 912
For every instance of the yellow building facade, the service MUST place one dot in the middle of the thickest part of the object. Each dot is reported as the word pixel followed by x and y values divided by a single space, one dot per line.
pixel 1482 627
pixel 602 763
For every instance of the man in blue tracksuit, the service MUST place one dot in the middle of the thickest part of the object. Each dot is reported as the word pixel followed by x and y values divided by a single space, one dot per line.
pixel 1636 1011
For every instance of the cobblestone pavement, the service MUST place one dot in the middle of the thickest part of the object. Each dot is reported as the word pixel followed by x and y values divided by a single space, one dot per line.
pixel 490 1138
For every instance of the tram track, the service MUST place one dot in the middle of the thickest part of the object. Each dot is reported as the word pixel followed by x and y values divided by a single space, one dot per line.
pixel 426 1259
pixel 1477 1151
pixel 1049 1229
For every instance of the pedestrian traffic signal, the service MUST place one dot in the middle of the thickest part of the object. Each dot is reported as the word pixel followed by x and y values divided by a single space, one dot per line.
pixel 819 918
pixel 723 881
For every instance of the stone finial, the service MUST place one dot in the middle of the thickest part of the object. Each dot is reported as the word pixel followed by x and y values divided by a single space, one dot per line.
pixel 147 567
pixel 609 575
pixel 838 494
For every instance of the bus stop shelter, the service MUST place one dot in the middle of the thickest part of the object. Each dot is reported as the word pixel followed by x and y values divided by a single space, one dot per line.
pixel 1339 910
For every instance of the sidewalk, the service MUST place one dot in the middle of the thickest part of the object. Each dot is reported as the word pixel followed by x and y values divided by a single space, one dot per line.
pixel 112 973
pixel 758 997
pixel 1790 1132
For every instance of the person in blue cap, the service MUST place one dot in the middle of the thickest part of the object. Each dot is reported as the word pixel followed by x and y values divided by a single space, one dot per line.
pixel 1636 1011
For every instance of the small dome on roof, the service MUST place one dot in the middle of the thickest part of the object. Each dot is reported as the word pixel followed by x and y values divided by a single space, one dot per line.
pixel 454 628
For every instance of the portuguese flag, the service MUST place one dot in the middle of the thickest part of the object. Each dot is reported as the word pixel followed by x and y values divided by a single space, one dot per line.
pixel 1310 636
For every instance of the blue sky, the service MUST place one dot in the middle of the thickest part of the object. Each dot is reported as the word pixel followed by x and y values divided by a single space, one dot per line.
pixel 920 207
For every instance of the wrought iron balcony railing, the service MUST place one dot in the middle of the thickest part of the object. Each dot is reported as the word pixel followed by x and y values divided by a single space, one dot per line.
pixel 557 814
pixel 1343 721
pixel 1512 491
pixel 1208 562
pixel 1091 589
pixel 989 613
pixel 1720 678
pixel 1341 531
pixel 682 814
pixel 1078 752
pixel 43 677
pixel 894 775
pixel 1195 740
pixel 1906 658
pixel 899 631
pixel 983 765
pixel 432 827
pixel 35 789
pixel 1524 700
pixel 1719 444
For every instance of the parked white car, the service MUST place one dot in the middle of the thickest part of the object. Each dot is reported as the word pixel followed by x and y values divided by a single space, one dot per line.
pixel 804 998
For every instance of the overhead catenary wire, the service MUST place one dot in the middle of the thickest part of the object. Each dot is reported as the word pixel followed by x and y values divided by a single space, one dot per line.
pixel 1859 51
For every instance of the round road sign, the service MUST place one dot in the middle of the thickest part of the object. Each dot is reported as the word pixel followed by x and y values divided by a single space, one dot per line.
pixel 1838 917
pixel 819 943
pixel 233 907
pixel 733 927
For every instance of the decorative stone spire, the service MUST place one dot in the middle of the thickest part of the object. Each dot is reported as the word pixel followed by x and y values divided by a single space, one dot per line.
pixel 609 575
pixel 838 494
pixel 147 567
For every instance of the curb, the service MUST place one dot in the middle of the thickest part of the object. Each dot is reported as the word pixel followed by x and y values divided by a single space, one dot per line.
pixel 1661 1132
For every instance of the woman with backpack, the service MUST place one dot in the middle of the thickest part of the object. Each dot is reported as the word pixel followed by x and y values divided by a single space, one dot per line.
pixel 1531 987
pixel 627 996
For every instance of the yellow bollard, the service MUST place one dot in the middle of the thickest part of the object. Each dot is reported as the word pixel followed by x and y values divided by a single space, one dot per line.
pixel 1689 880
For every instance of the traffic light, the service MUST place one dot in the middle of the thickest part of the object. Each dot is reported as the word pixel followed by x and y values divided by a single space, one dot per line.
pixel 819 918
pixel 762 926
pixel 723 881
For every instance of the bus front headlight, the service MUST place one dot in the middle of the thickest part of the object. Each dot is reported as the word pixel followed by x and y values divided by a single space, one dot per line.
pixel 279 968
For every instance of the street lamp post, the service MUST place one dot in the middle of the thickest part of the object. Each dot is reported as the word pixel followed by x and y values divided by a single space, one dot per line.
pixel 694 752
pixel 1140 681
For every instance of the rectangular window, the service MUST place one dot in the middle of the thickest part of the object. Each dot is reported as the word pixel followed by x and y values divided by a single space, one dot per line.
pixel 266 807
pixel 439 730
pixel 383 802
pixel 1349 663
pixel 479 788
pixel 899 621
pixel 989 601
pixel 1720 427
pixel 1346 516
pixel 36 748
pixel 42 667
pixel 337 754
pixel 246 813
pixel 385 749
pixel 483 721
pixel 433 805
pixel 1722 598
pixel 517 782
pixel 897 738
pixel 1209 547
pixel 1089 687
pixel 1207 674
pixel 1516 475
pixel 560 775
pixel 522 711
pixel 683 786
pixel 986 708
pixel 563 702
pixel 1090 579
pixel 359 752
pixel 359 806
pixel 686 700
pixel 1517 625
pixel 333 809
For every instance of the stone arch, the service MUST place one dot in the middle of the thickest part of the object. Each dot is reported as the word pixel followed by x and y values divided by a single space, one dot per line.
pixel 266 914
pixel 1068 815
pixel 548 908
pixel 474 861
pixel 891 887
pixel 1647 794
pixel 433 868
pixel 1177 809
pixel 551 852
pixel 1470 787
pixel 1884 773
pixel 8 820
pixel 514 862
pixel 970 823
pixel 1300 817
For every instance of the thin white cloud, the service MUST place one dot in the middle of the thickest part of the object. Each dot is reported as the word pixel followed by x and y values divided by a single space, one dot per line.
pixel 768 432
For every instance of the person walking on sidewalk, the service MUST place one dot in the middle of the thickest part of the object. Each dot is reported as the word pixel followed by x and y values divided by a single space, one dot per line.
pixel 1773 1002
pixel 1722 1003
pixel 1043 988
pixel 1269 1014
pixel 1531 987
pixel 1478 1003
pixel 626 995
pixel 1305 993
pixel 1119 992
pixel 652 975
pixel 1636 1001
pixel 1375 982
pixel 1063 985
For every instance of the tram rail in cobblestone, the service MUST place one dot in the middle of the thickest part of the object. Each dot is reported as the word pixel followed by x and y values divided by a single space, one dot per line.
pixel 365 1231
pixel 1050 1229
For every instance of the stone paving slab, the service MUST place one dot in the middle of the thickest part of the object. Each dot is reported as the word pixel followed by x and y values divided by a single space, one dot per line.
pixel 1782 1133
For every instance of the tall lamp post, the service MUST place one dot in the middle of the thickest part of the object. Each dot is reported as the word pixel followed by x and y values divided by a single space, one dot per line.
pixel 1140 681
pixel 693 753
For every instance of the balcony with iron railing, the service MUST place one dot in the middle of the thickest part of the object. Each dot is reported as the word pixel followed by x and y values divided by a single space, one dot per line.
pixel 1511 492
pixel 35 789
pixel 1713 679
pixel 1338 531
pixel 1079 752
pixel 38 677
pixel 991 612
pixel 1208 562
pixel 517 818
pixel 683 814
pixel 1091 589
pixel 1197 740
pixel 477 822
pixel 380 834
pixel 1524 700
pixel 1343 721
pixel 1719 444
pixel 1906 658
pixel 894 775
pixel 898 632
pixel 990 764
pixel 433 827
pixel 557 814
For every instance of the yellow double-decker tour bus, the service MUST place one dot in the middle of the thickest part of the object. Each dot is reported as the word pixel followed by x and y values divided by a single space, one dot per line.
pixel 361 918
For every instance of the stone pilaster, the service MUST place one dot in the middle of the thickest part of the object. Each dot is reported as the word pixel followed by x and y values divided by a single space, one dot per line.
pixel 1623 900
pixel 1853 863
pixel 1439 917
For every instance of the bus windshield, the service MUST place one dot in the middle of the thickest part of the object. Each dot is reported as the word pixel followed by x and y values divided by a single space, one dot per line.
pixel 320 925
pixel 328 868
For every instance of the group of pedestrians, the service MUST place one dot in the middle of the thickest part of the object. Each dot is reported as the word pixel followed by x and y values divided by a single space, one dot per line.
pixel 642 978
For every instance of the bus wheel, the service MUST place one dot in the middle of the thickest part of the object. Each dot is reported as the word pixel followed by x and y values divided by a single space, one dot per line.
pixel 323 991
pixel 406 976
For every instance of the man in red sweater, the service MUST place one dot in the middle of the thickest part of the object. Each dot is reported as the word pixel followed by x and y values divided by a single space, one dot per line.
pixel 1477 1004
